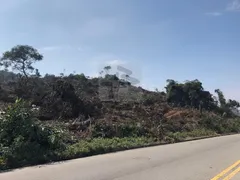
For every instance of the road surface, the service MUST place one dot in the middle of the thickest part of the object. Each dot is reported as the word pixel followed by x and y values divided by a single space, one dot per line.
pixel 208 159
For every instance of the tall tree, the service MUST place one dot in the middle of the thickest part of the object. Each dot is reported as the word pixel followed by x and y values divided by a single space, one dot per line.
pixel 221 98
pixel 190 93
pixel 233 103
pixel 107 69
pixel 21 58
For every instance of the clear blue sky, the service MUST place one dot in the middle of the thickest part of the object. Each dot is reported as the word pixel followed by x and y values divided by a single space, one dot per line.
pixel 158 39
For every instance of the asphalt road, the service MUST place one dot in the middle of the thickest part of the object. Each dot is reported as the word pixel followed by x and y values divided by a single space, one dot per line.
pixel 196 160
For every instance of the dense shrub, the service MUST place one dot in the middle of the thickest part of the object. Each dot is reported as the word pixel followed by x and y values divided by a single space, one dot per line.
pixel 24 141
pixel 154 97
pixel 109 130
pixel 104 145
pixel 221 125
pixel 181 136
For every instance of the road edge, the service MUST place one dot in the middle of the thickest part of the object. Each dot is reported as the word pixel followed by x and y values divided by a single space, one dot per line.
pixel 122 150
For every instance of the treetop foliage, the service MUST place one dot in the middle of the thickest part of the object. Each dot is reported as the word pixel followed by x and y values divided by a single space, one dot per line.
pixel 21 58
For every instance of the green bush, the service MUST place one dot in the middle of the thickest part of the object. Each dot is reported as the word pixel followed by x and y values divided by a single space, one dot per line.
pixel 181 136
pixel 150 99
pixel 104 145
pixel 232 125
pixel 221 125
pixel 108 130
pixel 24 141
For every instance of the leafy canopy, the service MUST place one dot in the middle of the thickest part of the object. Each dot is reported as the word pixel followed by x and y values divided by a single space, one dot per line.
pixel 20 58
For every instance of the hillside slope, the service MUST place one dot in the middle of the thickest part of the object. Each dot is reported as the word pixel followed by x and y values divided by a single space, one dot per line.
pixel 54 118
